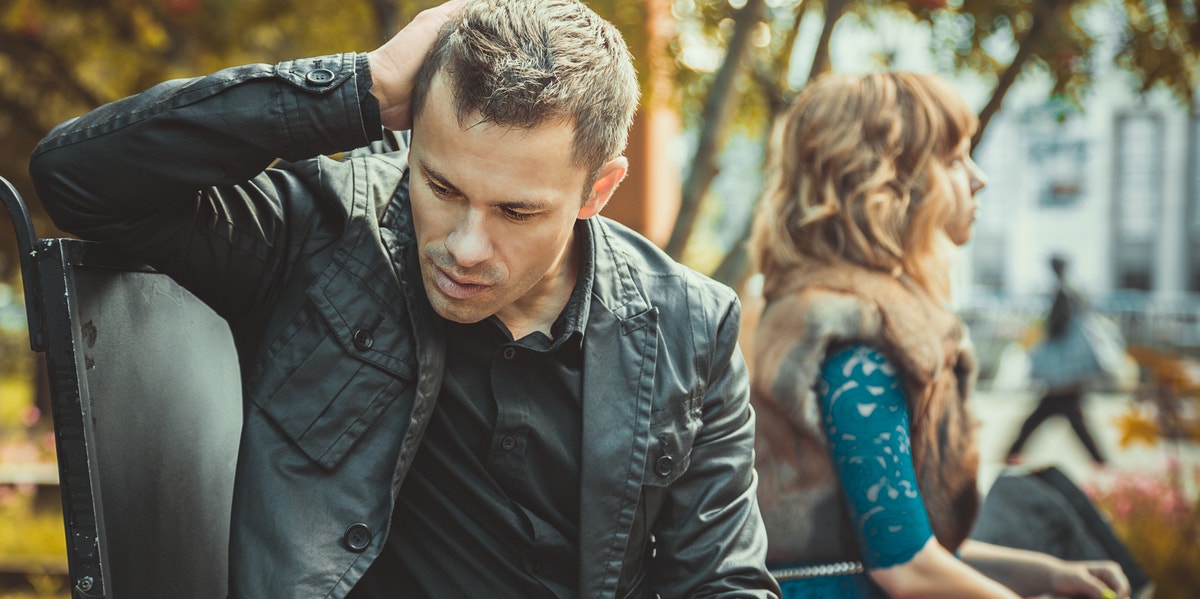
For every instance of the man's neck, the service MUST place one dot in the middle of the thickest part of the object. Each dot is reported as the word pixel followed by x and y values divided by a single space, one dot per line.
pixel 537 311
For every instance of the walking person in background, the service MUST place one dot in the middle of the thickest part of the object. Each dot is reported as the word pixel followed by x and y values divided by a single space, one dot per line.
pixel 459 380
pixel 865 449
pixel 1067 360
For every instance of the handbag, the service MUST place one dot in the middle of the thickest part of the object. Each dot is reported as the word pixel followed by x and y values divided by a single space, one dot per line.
pixel 1090 348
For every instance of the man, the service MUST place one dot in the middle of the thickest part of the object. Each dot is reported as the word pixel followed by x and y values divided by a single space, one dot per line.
pixel 459 381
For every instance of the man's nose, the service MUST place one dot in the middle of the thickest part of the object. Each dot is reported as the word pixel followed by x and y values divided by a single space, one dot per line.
pixel 468 243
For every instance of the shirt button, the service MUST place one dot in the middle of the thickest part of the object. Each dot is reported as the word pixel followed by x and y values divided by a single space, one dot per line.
pixel 357 537
pixel 664 465
pixel 319 77
pixel 363 339
pixel 508 443
pixel 509 353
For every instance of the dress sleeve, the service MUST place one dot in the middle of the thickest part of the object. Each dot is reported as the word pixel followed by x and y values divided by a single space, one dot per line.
pixel 867 423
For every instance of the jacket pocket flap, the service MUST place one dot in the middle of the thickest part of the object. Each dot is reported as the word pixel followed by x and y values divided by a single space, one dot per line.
pixel 673 431
pixel 369 328
pixel 344 358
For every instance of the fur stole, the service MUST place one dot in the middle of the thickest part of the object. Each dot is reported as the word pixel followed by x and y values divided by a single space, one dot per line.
pixel 819 307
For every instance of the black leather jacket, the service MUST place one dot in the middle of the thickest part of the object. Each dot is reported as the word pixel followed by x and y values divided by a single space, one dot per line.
pixel 311 261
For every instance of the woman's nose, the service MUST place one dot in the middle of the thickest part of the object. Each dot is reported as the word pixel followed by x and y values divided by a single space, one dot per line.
pixel 978 178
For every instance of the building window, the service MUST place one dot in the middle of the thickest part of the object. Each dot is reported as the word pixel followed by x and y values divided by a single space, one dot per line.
pixel 1137 189
pixel 1058 154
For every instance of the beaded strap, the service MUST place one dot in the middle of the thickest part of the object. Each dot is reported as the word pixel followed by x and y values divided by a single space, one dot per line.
pixel 817 571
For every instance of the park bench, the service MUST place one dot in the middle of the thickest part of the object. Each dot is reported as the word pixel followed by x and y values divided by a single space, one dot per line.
pixel 146 398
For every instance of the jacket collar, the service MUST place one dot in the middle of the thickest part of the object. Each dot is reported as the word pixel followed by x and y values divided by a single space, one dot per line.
pixel 620 359
pixel 615 285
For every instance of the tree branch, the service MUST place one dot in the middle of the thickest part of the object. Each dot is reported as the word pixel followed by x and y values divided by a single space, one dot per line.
pixel 716 115
pixel 834 9
pixel 1041 17
pixel 735 265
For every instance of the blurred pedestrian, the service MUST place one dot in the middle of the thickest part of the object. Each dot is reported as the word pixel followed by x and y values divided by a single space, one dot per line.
pixel 864 446
pixel 1070 357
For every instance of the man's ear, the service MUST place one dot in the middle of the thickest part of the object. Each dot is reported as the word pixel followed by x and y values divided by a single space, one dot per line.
pixel 611 175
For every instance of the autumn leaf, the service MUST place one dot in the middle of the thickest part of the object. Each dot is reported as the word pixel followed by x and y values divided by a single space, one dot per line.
pixel 1135 427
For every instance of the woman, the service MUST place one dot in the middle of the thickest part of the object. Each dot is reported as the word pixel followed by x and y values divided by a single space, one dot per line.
pixel 865 453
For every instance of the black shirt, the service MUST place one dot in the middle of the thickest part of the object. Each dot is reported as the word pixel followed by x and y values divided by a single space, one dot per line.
pixel 491 504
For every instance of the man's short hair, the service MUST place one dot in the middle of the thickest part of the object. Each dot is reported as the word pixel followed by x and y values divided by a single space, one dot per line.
pixel 522 63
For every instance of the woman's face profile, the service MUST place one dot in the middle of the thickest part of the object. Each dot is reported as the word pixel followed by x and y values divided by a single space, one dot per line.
pixel 966 178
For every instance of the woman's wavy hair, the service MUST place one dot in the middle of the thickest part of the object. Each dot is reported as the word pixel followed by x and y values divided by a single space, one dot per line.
pixel 859 176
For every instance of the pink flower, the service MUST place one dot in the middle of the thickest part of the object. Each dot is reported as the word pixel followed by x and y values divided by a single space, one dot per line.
pixel 30 416
pixel 1122 507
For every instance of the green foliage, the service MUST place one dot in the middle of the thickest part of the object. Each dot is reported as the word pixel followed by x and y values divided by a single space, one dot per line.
pixel 32 540
pixel 1160 41
pixel 60 58
pixel 1161 44
pixel 1054 32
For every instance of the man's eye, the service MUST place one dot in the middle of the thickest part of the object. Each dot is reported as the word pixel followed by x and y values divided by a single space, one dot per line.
pixel 439 190
pixel 516 216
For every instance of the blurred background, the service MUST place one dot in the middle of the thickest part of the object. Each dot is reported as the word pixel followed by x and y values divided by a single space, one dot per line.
pixel 1090 135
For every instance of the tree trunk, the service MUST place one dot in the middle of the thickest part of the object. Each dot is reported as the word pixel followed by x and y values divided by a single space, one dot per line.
pixel 716 118
pixel 735 266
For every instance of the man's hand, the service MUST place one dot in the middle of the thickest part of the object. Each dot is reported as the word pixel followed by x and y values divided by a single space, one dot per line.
pixel 394 65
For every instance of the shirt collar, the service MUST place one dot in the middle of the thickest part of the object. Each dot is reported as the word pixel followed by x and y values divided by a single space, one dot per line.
pixel 572 321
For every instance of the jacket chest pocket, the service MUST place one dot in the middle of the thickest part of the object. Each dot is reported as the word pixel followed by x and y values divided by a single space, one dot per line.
pixel 672 432
pixel 342 360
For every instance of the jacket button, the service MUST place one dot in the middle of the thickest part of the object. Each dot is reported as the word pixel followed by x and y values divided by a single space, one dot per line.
pixel 363 339
pixel 508 443
pixel 319 77
pixel 664 465
pixel 357 537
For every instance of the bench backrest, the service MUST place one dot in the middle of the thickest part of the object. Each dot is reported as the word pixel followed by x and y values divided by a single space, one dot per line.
pixel 147 414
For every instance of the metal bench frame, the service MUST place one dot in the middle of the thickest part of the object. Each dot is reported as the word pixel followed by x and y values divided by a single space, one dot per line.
pixel 161 529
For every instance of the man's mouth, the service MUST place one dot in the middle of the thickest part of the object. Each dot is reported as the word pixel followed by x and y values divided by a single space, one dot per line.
pixel 454 287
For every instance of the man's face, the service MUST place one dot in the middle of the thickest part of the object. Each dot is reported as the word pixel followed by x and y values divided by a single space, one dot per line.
pixel 494 210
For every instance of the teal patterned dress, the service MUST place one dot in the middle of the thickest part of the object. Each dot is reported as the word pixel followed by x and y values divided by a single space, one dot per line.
pixel 866 421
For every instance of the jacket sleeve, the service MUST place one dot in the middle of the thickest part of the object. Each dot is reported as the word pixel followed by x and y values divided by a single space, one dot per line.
pixel 178 175
pixel 710 540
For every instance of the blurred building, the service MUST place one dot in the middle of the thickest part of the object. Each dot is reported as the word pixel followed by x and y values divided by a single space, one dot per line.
pixel 1112 185
pixel 1114 188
